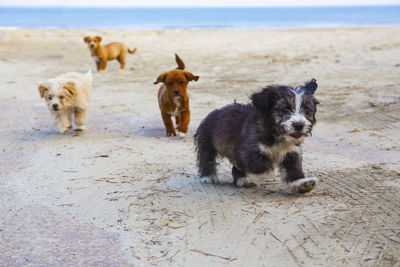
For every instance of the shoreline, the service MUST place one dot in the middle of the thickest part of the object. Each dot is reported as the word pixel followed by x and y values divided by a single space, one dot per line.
pixel 12 28
pixel 210 28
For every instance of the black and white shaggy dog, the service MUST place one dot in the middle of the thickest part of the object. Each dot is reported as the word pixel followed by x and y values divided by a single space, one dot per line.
pixel 260 136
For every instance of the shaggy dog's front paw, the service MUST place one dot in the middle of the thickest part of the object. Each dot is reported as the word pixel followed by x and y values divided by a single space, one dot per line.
pixel 303 185
pixel 244 182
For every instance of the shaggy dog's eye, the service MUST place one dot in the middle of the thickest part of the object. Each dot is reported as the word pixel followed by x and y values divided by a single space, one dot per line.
pixel 170 83
pixel 286 109
pixel 181 82
pixel 50 98
pixel 61 97
pixel 308 111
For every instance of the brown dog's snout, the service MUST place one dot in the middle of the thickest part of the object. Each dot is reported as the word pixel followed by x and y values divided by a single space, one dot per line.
pixel 91 45
pixel 176 92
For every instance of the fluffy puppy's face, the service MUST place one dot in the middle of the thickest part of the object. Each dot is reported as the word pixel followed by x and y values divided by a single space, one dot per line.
pixel 93 42
pixel 58 94
pixel 292 110
pixel 176 82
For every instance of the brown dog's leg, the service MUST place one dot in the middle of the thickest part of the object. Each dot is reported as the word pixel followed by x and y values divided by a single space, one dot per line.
pixel 121 60
pixel 184 119
pixel 169 126
pixel 104 65
pixel 177 121
pixel 98 65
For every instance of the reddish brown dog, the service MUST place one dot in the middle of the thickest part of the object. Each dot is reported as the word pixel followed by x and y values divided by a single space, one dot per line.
pixel 102 54
pixel 173 99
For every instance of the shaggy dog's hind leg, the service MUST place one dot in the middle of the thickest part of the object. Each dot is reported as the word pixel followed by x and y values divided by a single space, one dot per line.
pixel 206 157
pixel 207 164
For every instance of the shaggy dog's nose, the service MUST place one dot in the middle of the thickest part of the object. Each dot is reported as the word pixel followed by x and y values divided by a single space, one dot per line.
pixel 55 106
pixel 298 126
pixel 91 45
pixel 176 92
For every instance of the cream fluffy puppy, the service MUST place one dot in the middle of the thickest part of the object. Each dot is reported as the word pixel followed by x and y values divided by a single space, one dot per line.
pixel 66 96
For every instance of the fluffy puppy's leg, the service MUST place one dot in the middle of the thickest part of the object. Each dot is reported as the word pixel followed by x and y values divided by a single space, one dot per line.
pixel 64 121
pixel 206 155
pixel 183 123
pixel 291 172
pixel 169 126
pixel 80 119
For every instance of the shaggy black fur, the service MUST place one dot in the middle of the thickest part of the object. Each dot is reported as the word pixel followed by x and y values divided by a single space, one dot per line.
pixel 292 166
pixel 236 132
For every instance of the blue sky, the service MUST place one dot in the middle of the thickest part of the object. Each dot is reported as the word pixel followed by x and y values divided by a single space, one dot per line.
pixel 189 3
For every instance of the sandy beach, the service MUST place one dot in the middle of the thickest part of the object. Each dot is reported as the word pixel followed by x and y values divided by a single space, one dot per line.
pixel 123 194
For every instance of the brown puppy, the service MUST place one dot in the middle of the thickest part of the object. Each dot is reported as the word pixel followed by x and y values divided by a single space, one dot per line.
pixel 173 99
pixel 111 51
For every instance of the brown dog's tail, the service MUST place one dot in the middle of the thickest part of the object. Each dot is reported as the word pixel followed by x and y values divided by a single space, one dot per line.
pixel 181 65
pixel 131 51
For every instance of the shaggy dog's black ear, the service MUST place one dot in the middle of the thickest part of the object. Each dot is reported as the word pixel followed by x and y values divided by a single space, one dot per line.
pixel 311 85
pixel 265 99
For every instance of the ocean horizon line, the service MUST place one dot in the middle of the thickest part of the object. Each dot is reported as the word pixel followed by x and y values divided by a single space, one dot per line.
pixel 206 7
pixel 199 17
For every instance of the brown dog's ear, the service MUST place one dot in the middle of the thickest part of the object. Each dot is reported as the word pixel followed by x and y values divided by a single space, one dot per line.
pixel 190 77
pixel 70 87
pixel 98 38
pixel 42 90
pixel 161 78
pixel 86 39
